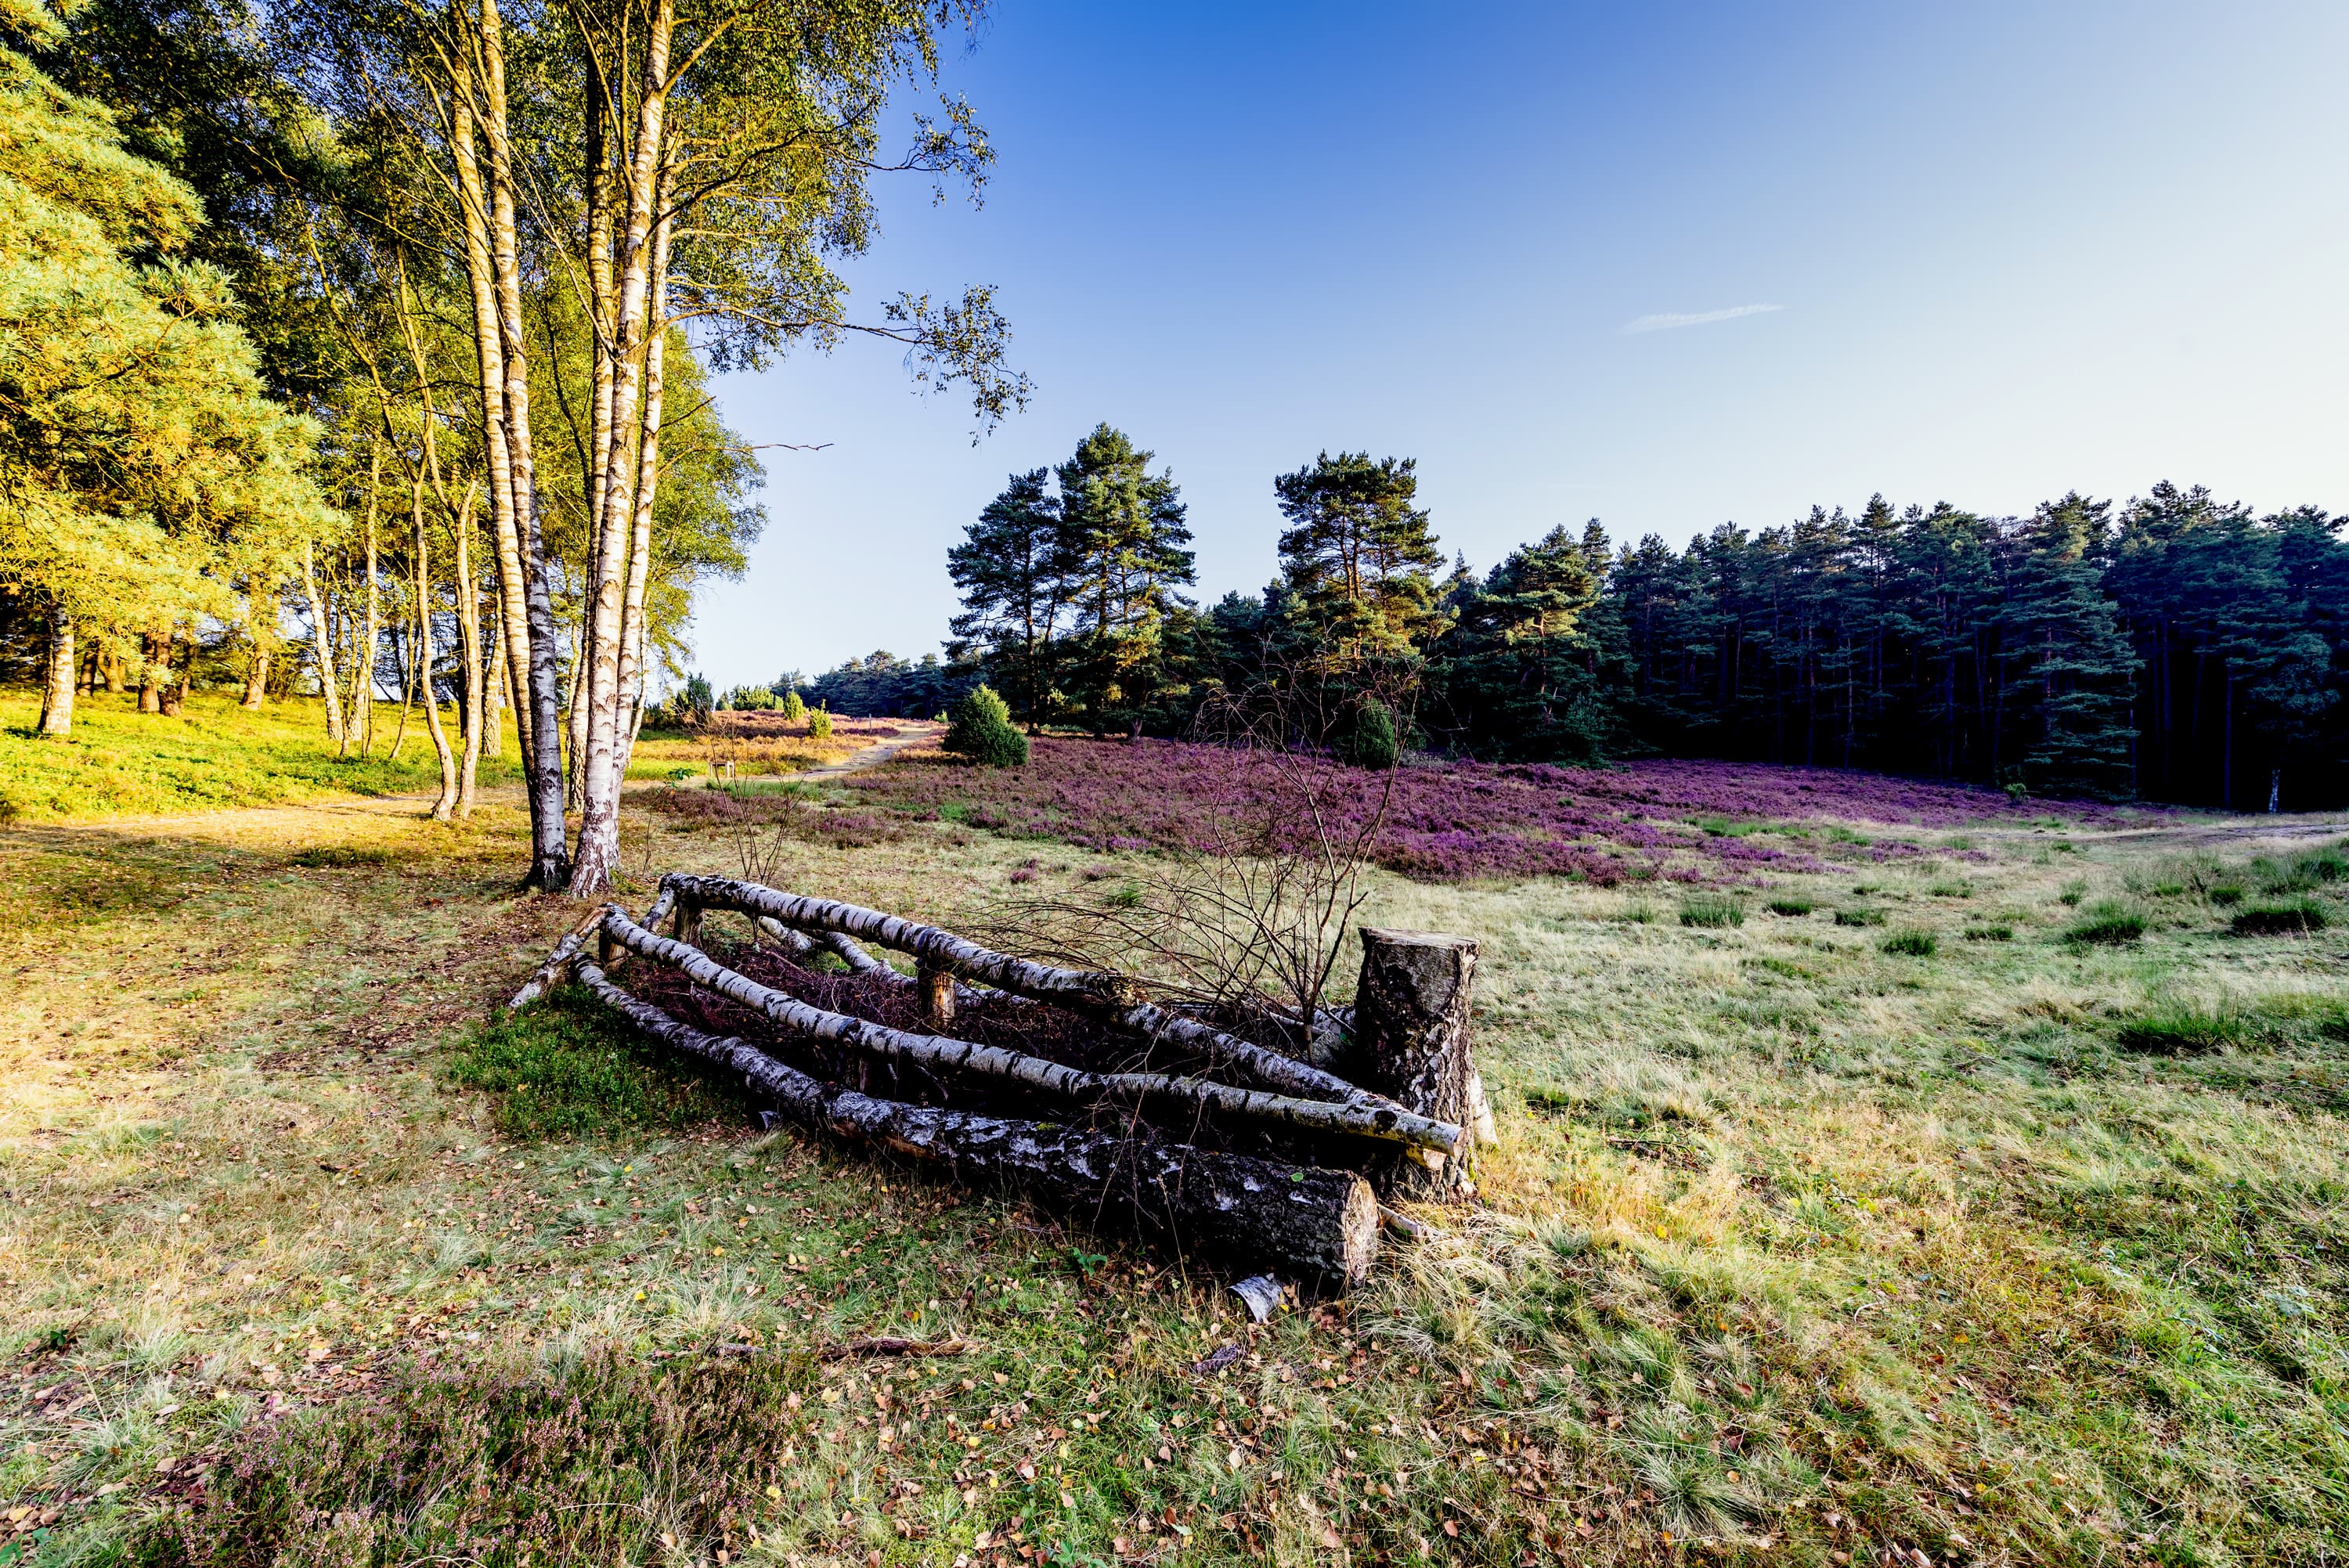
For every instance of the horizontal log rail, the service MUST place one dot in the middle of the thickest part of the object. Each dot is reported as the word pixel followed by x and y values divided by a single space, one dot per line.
pixel 1319 1222
pixel 1104 997
pixel 1362 1116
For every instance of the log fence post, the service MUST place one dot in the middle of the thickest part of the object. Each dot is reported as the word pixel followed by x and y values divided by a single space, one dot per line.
pixel 1412 1045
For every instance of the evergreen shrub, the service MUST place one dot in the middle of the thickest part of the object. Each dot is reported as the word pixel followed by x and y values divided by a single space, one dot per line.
pixel 981 731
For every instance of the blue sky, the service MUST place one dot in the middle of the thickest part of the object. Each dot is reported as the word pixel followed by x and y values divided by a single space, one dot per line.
pixel 1665 265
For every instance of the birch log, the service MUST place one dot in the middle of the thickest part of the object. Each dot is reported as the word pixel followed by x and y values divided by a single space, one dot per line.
pixel 1239 1211
pixel 1104 997
pixel 941 1054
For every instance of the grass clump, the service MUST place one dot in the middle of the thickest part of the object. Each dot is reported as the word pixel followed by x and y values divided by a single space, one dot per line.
pixel 1790 906
pixel 1910 944
pixel 599 1463
pixel 2177 1027
pixel 567 1067
pixel 2226 895
pixel 1860 917
pixel 2109 923
pixel 1996 931
pixel 2279 917
pixel 1712 910
pixel 334 855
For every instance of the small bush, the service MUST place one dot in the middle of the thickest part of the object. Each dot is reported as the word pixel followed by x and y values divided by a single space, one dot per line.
pixel 1790 906
pixel 1711 909
pixel 1999 932
pixel 1910 944
pixel 793 707
pixel 2175 1027
pixel 569 1067
pixel 1370 741
pixel 2109 923
pixel 820 725
pixel 1859 917
pixel 2226 895
pixel 2279 917
pixel 982 731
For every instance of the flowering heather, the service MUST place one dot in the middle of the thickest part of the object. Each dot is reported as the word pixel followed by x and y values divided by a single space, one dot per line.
pixel 1689 821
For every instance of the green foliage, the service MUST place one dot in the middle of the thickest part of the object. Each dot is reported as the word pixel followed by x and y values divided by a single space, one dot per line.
pixel 2279 917
pixel 820 725
pixel 1910 944
pixel 1715 910
pixel 1996 930
pixel 1357 559
pixel 1369 738
pixel 1859 916
pixel 1790 905
pixel 793 707
pixel 146 468
pixel 2109 923
pixel 569 1067
pixel 982 732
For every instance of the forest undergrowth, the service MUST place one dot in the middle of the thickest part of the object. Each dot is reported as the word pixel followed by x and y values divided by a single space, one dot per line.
pixel 1807 1239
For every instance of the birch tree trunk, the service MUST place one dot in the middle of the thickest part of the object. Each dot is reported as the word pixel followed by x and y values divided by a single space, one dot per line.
pixel 446 800
pixel 634 639
pixel 469 641
pixel 58 691
pixel 601 641
pixel 530 588
pixel 323 649
pixel 512 637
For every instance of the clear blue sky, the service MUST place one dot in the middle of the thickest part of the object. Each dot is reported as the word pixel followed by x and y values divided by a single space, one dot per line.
pixel 2006 249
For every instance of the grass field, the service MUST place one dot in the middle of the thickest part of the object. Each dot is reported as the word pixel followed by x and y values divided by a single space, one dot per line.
pixel 120 762
pixel 1989 1205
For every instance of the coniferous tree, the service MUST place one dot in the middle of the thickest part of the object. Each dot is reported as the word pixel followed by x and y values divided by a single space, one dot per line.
pixel 1123 552
pixel 1014 577
pixel 1358 558
pixel 2066 659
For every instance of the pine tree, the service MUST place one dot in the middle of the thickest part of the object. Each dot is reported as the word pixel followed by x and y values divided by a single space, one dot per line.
pixel 1358 557
pixel 2065 657
pixel 1013 578
pixel 1121 557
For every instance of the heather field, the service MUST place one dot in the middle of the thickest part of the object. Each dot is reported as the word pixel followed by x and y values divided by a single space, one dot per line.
pixel 1688 821
pixel 1963 1185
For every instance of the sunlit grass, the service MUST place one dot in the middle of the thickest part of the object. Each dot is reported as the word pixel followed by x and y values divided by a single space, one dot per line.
pixel 1787 1240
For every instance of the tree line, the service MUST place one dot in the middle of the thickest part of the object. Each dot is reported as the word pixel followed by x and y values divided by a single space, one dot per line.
pixel 364 350
pixel 2174 647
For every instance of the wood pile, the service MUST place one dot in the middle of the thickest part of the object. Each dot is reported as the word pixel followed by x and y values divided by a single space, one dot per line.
pixel 1070 1085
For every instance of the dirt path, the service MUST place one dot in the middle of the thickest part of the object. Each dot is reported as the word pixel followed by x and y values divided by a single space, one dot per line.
pixel 916 732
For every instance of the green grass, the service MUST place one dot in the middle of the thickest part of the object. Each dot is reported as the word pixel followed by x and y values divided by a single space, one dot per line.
pixel 1910 944
pixel 2107 922
pixel 118 761
pixel 2279 917
pixel 1794 1250
pixel 1997 931
pixel 1859 917
pixel 1714 911
pixel 1787 904
pixel 2174 1026
pixel 569 1068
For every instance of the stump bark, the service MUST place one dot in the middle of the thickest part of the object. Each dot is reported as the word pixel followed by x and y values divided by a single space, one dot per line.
pixel 1412 1045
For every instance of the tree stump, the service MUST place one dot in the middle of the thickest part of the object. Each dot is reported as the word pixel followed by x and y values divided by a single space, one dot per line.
pixel 1411 1044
